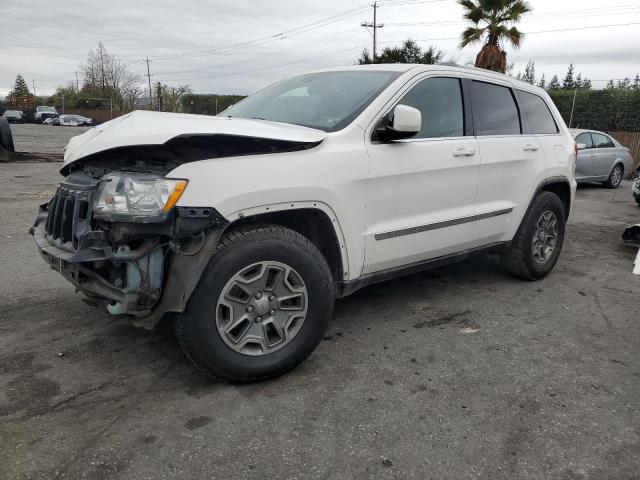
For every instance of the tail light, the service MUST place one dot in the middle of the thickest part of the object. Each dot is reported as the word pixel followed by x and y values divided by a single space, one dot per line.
pixel 575 149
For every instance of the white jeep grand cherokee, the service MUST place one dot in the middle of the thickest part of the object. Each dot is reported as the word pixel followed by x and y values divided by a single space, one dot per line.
pixel 243 228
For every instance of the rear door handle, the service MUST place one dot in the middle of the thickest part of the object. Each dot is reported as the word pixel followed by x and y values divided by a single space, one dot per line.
pixel 530 148
pixel 464 152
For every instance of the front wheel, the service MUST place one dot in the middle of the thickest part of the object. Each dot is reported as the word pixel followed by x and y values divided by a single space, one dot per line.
pixel 615 178
pixel 537 244
pixel 261 307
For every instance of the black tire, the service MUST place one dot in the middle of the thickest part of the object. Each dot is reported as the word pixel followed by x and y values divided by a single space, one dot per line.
pixel 615 180
pixel 196 328
pixel 518 258
pixel 6 138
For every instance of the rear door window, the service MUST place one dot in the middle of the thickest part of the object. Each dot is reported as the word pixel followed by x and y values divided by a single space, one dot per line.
pixel 601 141
pixel 494 110
pixel 536 116
pixel 586 139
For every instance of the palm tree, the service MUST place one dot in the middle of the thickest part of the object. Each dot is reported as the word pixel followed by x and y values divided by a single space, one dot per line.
pixel 493 20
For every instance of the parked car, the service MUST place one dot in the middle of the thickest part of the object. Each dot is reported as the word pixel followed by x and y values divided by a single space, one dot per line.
pixel 43 113
pixel 13 116
pixel 244 228
pixel 51 121
pixel 82 121
pixel 601 158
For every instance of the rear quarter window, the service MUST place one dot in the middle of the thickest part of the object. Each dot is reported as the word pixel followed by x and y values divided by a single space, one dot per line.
pixel 536 116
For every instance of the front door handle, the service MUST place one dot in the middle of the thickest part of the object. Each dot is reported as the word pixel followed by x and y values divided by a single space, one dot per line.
pixel 530 148
pixel 464 152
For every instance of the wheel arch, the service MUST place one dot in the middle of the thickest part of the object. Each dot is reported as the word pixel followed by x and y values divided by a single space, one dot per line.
pixel 315 221
pixel 620 162
pixel 561 186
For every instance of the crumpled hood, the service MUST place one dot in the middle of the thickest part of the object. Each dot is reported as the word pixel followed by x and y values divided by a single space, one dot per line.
pixel 156 128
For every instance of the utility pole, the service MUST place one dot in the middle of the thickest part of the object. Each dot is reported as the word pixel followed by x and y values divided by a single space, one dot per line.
pixel 375 25
pixel 149 77
pixel 159 95
pixel 77 82
pixel 573 105
pixel 33 82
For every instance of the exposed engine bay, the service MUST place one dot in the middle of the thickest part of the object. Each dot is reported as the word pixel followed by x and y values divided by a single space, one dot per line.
pixel 118 264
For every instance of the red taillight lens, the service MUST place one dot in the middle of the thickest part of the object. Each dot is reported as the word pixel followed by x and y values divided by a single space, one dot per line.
pixel 575 149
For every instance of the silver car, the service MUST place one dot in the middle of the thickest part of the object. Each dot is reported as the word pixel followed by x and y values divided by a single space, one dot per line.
pixel 601 158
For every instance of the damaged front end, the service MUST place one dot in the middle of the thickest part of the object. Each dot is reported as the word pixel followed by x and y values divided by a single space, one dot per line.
pixel 116 235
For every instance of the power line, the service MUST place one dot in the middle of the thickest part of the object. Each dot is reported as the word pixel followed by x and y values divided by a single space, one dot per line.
pixel 561 14
pixel 302 60
pixel 526 33
pixel 339 36
pixel 278 36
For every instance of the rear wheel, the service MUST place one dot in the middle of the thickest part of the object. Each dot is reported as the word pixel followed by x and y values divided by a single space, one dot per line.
pixel 615 178
pixel 261 307
pixel 536 246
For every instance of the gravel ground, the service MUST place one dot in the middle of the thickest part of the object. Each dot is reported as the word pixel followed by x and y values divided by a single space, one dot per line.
pixel 462 372
pixel 32 138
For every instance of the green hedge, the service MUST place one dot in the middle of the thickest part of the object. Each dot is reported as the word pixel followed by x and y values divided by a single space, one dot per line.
pixel 612 110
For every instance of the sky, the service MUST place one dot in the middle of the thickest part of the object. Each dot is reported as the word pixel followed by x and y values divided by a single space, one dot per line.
pixel 241 46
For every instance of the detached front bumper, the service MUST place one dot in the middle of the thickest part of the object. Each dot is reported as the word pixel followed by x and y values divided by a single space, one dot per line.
pixel 131 269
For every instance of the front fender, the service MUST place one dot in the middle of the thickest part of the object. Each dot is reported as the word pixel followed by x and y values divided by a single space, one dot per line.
pixel 330 177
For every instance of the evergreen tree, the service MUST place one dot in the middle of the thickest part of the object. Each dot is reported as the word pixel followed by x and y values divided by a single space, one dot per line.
pixel 568 82
pixel 20 87
pixel 543 82
pixel 554 84
pixel 624 84
pixel 636 82
pixel 530 73
pixel 409 52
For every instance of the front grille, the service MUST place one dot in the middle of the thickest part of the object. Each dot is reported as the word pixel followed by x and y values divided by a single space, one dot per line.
pixel 67 209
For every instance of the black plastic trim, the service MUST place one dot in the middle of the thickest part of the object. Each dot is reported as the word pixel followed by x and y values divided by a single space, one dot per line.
pixel 347 288
pixel 445 224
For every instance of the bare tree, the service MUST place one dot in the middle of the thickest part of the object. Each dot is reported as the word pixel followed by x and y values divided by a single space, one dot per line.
pixel 109 77
pixel 170 96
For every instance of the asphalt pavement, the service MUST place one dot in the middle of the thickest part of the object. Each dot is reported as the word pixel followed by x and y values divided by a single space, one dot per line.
pixel 458 373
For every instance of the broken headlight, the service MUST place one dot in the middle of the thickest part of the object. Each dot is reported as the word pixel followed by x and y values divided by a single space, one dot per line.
pixel 136 197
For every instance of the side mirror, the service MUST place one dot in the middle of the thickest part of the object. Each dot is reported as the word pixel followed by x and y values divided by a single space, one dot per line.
pixel 582 146
pixel 405 122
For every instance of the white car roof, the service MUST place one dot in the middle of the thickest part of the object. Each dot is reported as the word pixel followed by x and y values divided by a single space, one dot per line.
pixel 442 67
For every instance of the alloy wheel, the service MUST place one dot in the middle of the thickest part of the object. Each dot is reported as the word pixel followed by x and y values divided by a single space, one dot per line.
pixel 545 237
pixel 261 308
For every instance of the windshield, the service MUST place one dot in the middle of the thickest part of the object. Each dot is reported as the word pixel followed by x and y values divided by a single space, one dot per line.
pixel 46 109
pixel 12 113
pixel 327 101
